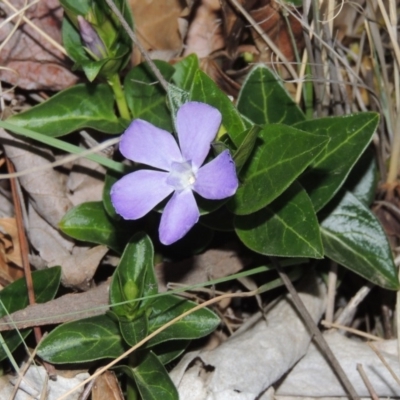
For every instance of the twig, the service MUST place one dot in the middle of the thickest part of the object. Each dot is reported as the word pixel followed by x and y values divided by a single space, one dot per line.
pixel 345 328
pixel 311 325
pixel 144 53
pixel 332 281
pixel 23 243
pixel 367 382
pixel 384 362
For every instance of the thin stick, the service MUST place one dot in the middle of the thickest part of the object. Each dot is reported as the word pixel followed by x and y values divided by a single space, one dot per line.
pixel 311 325
pixel 332 281
pixel 357 332
pixel 385 363
pixel 23 244
pixel 144 53
pixel 367 382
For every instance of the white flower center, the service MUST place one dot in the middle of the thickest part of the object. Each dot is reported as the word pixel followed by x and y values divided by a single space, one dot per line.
pixel 181 175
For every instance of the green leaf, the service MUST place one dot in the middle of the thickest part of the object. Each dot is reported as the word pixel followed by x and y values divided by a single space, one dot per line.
pixel 110 179
pixel 205 90
pixel 84 340
pixel 185 71
pixel 152 379
pixel 282 154
pixel 246 146
pixel 363 178
pixel 14 297
pixel 134 331
pixel 288 227
pixel 349 136
pixel 78 107
pixel 220 220
pixel 89 222
pixel 264 100
pixel 169 351
pixel 129 278
pixel 197 324
pixel 354 238
pixel 146 98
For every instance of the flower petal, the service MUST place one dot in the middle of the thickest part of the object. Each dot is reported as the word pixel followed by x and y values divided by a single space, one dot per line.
pixel 144 143
pixel 179 215
pixel 197 125
pixel 217 179
pixel 134 195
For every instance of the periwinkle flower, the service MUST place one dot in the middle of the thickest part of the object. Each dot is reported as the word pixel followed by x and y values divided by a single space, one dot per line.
pixel 180 170
pixel 91 39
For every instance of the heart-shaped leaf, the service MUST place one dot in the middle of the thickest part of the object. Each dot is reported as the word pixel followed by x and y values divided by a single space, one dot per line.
pixel 349 136
pixel 354 238
pixel 78 107
pixel 264 100
pixel 281 156
pixel 287 227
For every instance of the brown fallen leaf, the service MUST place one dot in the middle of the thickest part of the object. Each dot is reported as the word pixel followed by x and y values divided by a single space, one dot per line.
pixel 10 253
pixel 159 27
pixel 45 187
pixel 28 59
pixel 213 264
pixel 270 17
pixel 106 387
pixel 66 308
pixel 205 32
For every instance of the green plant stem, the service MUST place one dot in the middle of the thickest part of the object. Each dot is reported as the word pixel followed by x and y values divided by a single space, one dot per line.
pixel 116 86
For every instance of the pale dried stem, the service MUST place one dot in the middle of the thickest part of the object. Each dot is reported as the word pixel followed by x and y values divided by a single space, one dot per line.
pixel 385 363
pixel 367 382
pixel 354 331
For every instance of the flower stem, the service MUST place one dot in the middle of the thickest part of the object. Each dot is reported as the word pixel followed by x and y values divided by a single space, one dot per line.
pixel 116 86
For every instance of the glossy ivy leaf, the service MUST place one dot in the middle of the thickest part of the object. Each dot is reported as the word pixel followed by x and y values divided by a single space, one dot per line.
pixel 280 156
pixel 363 178
pixel 14 297
pixel 81 106
pixel 152 379
pixel 84 340
pixel 146 98
pixel 204 89
pixel 264 100
pixel 89 222
pixel 353 237
pixel 288 227
pixel 197 324
pixel 349 136
pixel 129 277
pixel 185 71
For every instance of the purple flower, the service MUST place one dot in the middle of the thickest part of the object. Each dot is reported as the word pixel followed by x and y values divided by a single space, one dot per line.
pixel 179 170
pixel 91 39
